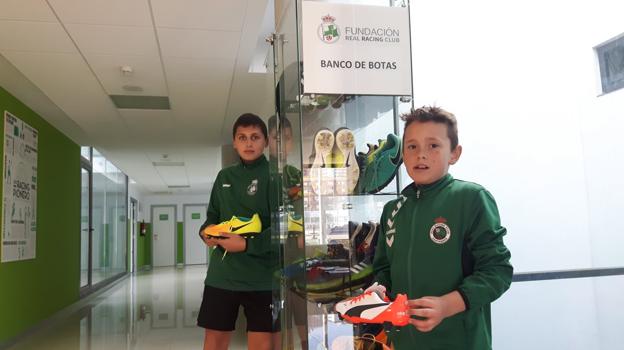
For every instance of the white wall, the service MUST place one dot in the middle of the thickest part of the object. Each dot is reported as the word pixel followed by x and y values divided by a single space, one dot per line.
pixel 134 191
pixel 178 200
pixel 521 78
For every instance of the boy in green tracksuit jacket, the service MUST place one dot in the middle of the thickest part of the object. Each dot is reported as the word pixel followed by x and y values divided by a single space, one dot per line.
pixel 441 243
pixel 241 269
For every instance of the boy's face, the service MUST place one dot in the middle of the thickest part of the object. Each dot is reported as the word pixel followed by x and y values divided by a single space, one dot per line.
pixel 427 152
pixel 286 141
pixel 249 142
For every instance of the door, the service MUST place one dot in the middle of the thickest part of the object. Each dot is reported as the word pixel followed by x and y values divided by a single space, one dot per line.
pixel 163 234
pixel 195 251
pixel 85 227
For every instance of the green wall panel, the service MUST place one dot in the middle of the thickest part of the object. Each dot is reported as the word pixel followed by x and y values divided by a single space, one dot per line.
pixel 32 290
pixel 180 250
pixel 144 248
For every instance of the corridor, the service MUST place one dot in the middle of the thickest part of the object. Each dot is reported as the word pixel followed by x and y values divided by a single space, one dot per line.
pixel 153 310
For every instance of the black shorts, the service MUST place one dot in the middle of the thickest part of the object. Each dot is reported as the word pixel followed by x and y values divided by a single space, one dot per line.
pixel 219 310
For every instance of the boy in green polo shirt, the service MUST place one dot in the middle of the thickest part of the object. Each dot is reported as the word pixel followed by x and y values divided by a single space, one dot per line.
pixel 441 243
pixel 241 268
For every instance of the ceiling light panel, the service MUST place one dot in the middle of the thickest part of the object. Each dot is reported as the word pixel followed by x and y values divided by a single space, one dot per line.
pixel 200 14
pixel 147 74
pixel 80 97
pixel 198 43
pixel 112 12
pixel 173 175
pixel 168 164
pixel 141 102
pixel 34 37
pixel 26 10
pixel 114 40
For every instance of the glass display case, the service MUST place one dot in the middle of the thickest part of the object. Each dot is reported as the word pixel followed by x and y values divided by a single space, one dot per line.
pixel 336 160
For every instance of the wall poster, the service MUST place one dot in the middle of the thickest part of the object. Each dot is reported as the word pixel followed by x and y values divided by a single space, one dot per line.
pixel 19 190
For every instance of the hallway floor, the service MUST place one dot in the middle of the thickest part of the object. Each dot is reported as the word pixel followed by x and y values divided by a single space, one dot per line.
pixel 150 310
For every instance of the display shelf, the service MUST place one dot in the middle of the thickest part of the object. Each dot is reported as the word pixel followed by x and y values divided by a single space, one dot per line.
pixel 346 150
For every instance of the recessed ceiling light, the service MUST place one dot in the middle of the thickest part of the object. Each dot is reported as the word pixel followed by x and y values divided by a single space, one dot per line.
pixel 132 88
pixel 168 163
pixel 140 102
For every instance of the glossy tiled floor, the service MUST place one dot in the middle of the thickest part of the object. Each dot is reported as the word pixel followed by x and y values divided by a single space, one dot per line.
pixel 152 310
pixel 157 310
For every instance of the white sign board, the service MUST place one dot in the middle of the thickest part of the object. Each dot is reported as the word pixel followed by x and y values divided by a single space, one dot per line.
pixel 19 190
pixel 356 49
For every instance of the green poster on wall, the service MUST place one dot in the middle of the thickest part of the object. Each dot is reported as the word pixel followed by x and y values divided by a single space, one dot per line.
pixel 164 217
pixel 195 216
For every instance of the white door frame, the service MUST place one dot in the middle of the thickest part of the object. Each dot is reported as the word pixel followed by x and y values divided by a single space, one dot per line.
pixel 134 237
pixel 184 230
pixel 175 229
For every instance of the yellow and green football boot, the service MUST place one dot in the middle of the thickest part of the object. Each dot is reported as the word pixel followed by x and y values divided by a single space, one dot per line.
pixel 237 225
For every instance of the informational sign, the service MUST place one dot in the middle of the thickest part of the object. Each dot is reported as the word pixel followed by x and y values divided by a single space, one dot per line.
pixel 356 49
pixel 19 190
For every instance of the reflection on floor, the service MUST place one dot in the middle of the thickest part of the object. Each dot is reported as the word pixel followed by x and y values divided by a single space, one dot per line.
pixel 157 310
pixel 98 275
pixel 150 310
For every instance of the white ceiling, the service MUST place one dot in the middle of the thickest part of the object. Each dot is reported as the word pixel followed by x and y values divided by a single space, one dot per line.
pixel 63 58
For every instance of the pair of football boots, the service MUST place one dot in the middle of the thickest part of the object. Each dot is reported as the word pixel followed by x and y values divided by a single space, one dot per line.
pixel 334 150
pixel 369 173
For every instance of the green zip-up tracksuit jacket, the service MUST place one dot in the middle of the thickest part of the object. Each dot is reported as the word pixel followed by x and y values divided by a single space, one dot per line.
pixel 242 190
pixel 439 238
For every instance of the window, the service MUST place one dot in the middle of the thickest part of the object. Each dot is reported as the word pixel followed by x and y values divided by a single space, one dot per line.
pixel 611 62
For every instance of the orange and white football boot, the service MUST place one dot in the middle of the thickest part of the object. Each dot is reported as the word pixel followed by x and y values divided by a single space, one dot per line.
pixel 371 307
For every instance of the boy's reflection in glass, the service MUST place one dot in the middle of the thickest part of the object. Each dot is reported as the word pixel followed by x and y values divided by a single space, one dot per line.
pixel 280 146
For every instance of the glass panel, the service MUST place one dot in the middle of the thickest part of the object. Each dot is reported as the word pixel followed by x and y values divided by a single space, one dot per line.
pixel 327 159
pixel 98 256
pixel 85 152
pixel 84 229
pixel 109 219
pixel 287 73
pixel 116 204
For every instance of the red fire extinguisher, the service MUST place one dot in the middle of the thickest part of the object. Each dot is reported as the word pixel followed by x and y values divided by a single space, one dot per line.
pixel 142 228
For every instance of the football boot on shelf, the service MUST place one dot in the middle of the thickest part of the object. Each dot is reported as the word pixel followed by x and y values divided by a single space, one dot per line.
pixel 292 182
pixel 344 157
pixel 380 164
pixel 322 147
pixel 295 224
pixel 321 158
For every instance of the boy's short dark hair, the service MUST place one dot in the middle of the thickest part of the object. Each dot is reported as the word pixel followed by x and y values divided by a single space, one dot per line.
pixel 284 123
pixel 436 115
pixel 250 119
